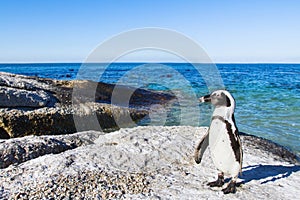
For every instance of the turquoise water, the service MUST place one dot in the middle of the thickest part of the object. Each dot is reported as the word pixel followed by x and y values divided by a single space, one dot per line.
pixel 267 95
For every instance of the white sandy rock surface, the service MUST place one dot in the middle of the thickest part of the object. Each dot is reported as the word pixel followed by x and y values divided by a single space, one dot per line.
pixel 13 97
pixel 145 163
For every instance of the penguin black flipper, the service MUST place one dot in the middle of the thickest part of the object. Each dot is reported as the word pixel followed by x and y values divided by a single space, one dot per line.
pixel 238 140
pixel 200 148
pixel 235 142
pixel 240 152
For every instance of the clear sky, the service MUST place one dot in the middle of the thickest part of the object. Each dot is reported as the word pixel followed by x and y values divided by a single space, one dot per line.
pixel 229 31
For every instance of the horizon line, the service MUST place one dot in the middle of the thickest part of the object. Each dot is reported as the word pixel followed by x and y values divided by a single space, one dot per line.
pixel 169 62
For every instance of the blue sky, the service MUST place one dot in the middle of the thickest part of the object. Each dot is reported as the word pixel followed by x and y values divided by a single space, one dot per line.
pixel 229 31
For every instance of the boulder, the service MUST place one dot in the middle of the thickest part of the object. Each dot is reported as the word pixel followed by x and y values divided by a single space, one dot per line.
pixel 152 162
pixel 25 82
pixel 18 150
pixel 60 120
pixel 14 97
pixel 85 91
pixel 39 106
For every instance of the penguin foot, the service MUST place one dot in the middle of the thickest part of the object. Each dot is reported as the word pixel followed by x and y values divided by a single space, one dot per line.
pixel 231 188
pixel 218 183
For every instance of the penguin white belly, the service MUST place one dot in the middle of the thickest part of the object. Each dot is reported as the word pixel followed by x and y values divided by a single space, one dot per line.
pixel 221 150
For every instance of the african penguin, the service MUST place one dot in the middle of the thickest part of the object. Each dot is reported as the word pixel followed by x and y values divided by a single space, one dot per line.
pixel 223 139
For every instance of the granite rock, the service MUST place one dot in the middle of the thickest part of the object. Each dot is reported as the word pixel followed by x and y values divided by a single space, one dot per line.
pixel 18 150
pixel 151 162
pixel 14 97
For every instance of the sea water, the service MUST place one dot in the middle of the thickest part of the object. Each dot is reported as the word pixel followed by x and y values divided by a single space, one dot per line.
pixel 267 95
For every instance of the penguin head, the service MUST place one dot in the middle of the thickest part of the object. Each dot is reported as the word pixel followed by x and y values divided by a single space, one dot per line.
pixel 219 98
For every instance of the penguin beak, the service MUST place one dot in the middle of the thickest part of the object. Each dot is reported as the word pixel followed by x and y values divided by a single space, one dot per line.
pixel 205 98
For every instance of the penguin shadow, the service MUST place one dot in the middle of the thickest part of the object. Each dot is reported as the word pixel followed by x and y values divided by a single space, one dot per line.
pixel 267 173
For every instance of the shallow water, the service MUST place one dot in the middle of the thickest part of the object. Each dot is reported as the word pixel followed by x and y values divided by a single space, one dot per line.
pixel 267 95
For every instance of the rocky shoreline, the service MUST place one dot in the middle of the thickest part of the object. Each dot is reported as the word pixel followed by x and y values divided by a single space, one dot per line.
pixel 43 155
pixel 38 106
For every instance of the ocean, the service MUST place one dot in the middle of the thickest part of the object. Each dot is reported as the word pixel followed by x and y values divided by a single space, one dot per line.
pixel 267 95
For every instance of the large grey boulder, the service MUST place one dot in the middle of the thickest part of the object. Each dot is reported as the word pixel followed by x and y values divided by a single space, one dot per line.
pixel 143 163
pixel 13 97
pixel 24 82
pixel 18 150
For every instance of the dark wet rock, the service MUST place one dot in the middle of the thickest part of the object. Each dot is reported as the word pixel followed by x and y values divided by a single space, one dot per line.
pixel 85 91
pixel 39 106
pixel 60 120
pixel 4 134
pixel 279 152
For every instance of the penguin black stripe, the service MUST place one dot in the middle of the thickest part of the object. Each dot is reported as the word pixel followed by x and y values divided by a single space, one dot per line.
pixel 219 118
